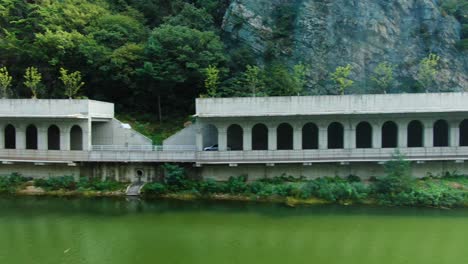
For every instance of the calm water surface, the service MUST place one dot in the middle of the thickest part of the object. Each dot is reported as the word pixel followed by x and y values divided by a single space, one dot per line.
pixel 100 231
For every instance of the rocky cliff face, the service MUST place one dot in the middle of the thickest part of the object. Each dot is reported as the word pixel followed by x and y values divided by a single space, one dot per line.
pixel 324 34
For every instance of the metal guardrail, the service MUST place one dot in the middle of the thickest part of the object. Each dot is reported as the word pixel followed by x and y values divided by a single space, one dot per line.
pixel 146 148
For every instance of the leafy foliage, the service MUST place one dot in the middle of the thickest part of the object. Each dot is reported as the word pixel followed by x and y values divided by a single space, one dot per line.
pixel 341 78
pixel 212 80
pixel 32 79
pixel 10 183
pixel 5 82
pixel 427 71
pixel 71 81
pixel 383 77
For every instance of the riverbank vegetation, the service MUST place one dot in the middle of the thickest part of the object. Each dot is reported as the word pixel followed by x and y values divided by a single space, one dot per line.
pixel 64 185
pixel 396 188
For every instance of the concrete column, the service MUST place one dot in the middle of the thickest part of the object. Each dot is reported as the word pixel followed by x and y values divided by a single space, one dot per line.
pixel 454 134
pixel 402 134
pixel 247 140
pixel 199 138
pixel 222 139
pixel 376 136
pixel 88 143
pixel 20 136
pixel 64 137
pixel 297 137
pixel 272 138
pixel 42 137
pixel 323 136
pixel 349 136
pixel 2 136
pixel 428 134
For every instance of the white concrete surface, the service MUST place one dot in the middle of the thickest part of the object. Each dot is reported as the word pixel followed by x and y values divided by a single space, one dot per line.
pixel 332 105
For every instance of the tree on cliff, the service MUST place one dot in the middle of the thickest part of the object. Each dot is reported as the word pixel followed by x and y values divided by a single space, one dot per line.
pixel 383 77
pixel 341 78
pixel 427 71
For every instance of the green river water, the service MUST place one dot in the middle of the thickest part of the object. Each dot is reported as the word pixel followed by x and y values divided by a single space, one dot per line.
pixel 99 231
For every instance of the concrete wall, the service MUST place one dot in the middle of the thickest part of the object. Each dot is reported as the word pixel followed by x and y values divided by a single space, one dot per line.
pixel 185 137
pixel 55 108
pixel 332 104
pixel 363 170
pixel 115 133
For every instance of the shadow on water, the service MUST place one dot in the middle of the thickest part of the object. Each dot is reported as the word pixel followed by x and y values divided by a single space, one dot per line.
pixel 111 207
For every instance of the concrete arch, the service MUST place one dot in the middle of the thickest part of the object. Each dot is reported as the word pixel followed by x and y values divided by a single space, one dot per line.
pixel 76 138
pixel 335 136
pixel 31 137
pixel 364 135
pixel 415 132
pixel 284 137
pixel 235 137
pixel 463 133
pixel 260 137
pixel 441 133
pixel 210 135
pixel 310 136
pixel 10 136
pixel 53 138
pixel 389 135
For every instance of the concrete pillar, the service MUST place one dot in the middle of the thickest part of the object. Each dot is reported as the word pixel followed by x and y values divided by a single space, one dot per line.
pixel 349 136
pixel 323 136
pixel 247 140
pixel 42 137
pixel 64 137
pixel 428 134
pixel 272 138
pixel 454 134
pixel 297 137
pixel 222 139
pixel 402 134
pixel 20 136
pixel 376 135
pixel 199 138
pixel 2 136
pixel 87 134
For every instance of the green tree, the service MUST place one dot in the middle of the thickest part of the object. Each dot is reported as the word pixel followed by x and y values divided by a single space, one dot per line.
pixel 212 81
pixel 71 81
pixel 427 71
pixel 341 78
pixel 280 81
pixel 5 82
pixel 383 77
pixel 32 80
pixel 192 17
pixel 299 76
pixel 254 80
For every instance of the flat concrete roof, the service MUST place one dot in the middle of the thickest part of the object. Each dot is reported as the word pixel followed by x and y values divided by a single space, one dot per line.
pixel 55 108
pixel 332 105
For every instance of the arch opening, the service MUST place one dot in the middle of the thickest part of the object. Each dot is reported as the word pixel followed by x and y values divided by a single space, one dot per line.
pixel 10 137
pixel 53 138
pixel 31 137
pixel 260 137
pixel 441 134
pixel 464 133
pixel 235 137
pixel 415 134
pixel 335 136
pixel 310 135
pixel 210 137
pixel 76 138
pixel 389 135
pixel 364 135
pixel 285 136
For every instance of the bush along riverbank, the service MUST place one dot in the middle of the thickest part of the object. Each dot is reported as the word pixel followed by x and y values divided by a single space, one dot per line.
pixel 395 188
pixel 60 186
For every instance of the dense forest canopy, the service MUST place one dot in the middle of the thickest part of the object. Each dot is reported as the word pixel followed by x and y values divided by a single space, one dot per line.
pixel 140 52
